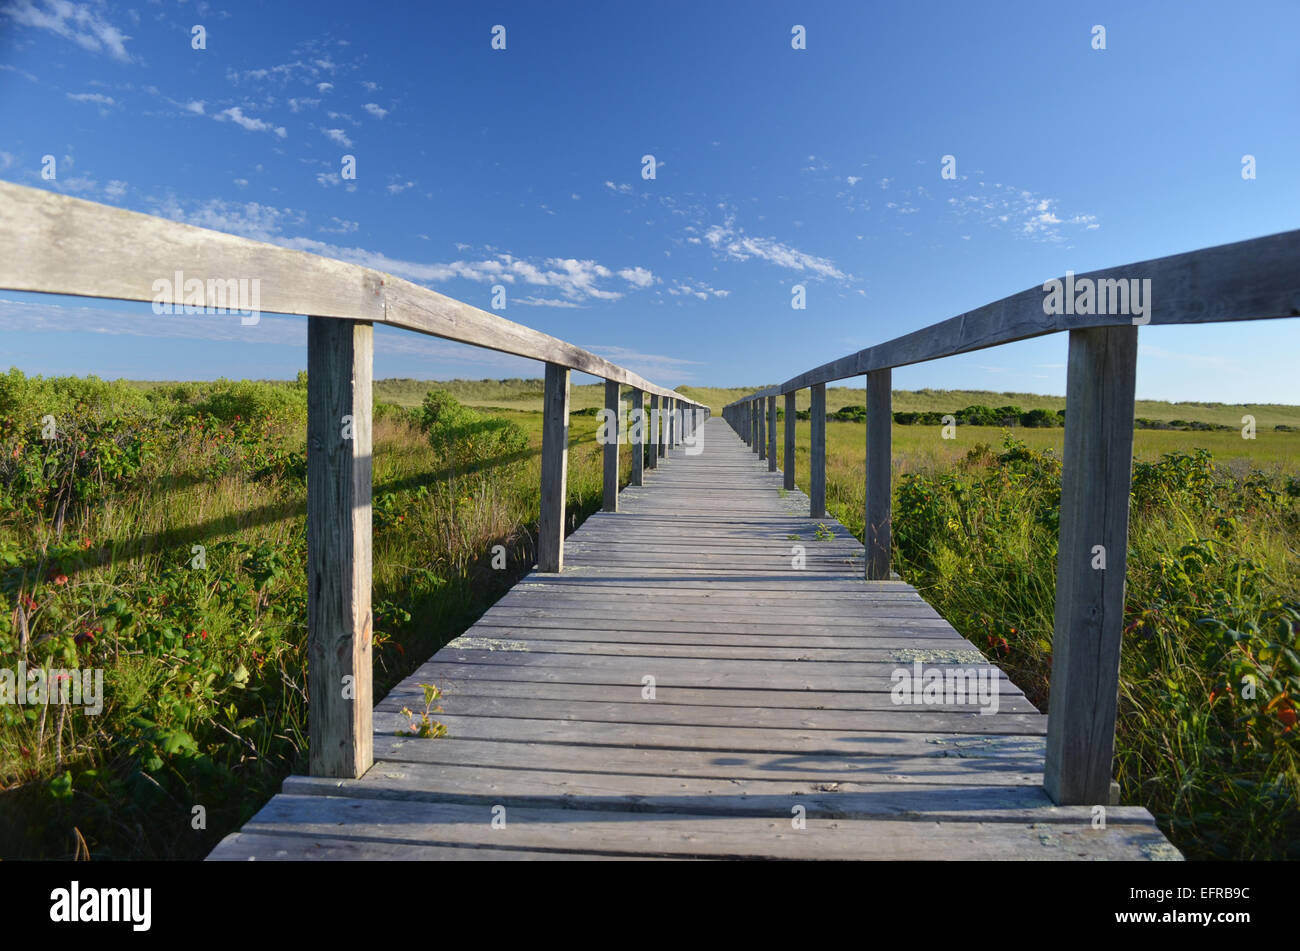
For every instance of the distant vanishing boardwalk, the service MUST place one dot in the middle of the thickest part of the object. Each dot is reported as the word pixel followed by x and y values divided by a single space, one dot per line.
pixel 770 732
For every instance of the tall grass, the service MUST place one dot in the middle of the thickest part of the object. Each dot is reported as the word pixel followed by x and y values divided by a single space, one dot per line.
pixel 1210 673
pixel 204 666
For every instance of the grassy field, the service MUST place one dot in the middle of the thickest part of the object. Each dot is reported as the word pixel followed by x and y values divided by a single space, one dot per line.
pixel 204 670
pixel 1267 415
pixel 204 665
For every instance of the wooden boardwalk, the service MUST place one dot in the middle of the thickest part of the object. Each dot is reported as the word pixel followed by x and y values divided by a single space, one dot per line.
pixel 770 731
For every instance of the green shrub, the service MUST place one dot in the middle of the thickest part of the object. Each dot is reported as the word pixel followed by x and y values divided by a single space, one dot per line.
pixel 467 441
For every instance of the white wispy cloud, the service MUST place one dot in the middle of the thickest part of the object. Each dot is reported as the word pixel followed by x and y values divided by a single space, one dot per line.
pixel 375 110
pixel 236 115
pixel 1029 214
pixel 95 97
pixel 338 136
pixel 731 241
pixel 696 289
pixel 78 22
pixel 575 281
pixel 621 189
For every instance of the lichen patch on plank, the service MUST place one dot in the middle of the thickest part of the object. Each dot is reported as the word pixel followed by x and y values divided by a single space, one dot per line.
pixel 467 643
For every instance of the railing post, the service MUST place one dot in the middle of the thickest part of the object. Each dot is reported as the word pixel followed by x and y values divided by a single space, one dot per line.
pixel 880 418
pixel 661 426
pixel 609 502
pixel 637 437
pixel 555 463
pixel 817 452
pixel 1090 565
pixel 340 361
pixel 652 432
pixel 788 459
pixel 672 422
pixel 760 442
pixel 771 434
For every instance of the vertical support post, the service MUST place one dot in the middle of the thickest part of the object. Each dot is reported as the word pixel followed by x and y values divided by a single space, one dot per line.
pixel 638 437
pixel 760 441
pixel 880 419
pixel 817 453
pixel 771 434
pixel 672 422
pixel 652 432
pixel 340 368
pixel 609 502
pixel 787 459
pixel 555 464
pixel 661 426
pixel 1090 564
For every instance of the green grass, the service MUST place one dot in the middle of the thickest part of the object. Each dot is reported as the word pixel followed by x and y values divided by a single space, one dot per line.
pixel 204 668
pixel 1267 415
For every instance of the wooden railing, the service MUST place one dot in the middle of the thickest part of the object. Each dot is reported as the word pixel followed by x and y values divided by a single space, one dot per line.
pixel 1249 280
pixel 54 244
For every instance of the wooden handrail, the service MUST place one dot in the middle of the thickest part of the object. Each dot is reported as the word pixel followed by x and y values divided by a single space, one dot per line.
pixel 1257 279
pixel 1249 280
pixel 53 244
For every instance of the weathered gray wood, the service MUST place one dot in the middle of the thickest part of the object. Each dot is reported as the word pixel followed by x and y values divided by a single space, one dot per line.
pixel 638 440
pixel 760 437
pixel 340 359
pixel 787 469
pixel 610 450
pixel 56 244
pixel 560 789
pixel 555 465
pixel 771 434
pixel 1246 280
pixel 817 453
pixel 880 420
pixel 768 684
pixel 672 422
pixel 654 450
pixel 1010 768
pixel 1089 620
pixel 661 427
pixel 730 836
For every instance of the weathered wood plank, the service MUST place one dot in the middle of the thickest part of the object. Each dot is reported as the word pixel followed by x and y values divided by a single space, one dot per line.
pixel 1091 563
pixel 637 439
pixel 675 834
pixel 1015 768
pixel 559 789
pixel 880 420
pixel 771 434
pixel 609 461
pixel 555 466
pixel 787 456
pixel 57 244
pixel 340 358
pixel 817 453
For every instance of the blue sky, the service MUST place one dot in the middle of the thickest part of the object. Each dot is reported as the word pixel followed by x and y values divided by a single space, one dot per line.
pixel 775 167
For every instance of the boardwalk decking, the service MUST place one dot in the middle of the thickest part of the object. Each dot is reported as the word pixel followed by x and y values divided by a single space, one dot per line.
pixel 771 732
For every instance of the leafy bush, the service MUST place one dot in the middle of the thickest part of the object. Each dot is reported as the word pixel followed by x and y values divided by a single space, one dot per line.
pixel 1211 607
pixel 467 441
